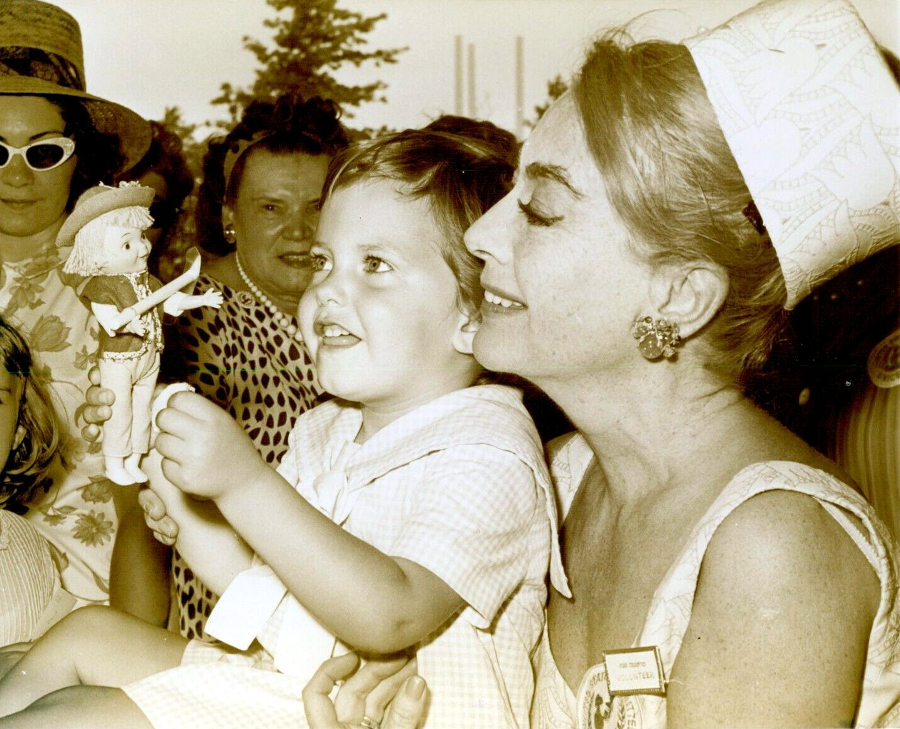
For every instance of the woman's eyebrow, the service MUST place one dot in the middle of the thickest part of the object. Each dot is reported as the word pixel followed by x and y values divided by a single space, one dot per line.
pixel 540 170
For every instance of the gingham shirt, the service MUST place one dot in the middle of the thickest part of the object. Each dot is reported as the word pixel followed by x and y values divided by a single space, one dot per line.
pixel 458 486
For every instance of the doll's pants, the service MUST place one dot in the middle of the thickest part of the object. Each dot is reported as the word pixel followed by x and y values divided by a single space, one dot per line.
pixel 133 382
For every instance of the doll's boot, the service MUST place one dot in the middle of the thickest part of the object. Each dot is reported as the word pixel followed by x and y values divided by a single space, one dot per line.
pixel 116 471
pixel 133 467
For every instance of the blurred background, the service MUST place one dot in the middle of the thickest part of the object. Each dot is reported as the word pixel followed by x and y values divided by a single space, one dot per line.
pixel 490 59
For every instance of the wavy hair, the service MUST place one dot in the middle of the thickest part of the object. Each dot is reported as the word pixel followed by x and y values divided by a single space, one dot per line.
pixel 288 125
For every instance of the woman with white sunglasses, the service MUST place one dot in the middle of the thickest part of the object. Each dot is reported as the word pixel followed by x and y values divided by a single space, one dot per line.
pixel 56 140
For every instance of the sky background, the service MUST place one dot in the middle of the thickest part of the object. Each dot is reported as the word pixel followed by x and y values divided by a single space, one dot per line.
pixel 150 54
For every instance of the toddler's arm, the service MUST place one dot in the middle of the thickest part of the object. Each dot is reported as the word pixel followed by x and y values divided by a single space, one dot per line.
pixel 330 571
pixel 206 541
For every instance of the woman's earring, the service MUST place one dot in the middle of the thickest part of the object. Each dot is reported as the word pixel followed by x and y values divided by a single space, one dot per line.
pixel 656 337
pixel 229 235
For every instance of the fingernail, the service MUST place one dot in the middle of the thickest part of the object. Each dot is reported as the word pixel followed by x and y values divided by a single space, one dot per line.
pixel 415 687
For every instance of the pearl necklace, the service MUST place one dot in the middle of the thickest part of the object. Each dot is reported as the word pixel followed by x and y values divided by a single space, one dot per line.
pixel 281 319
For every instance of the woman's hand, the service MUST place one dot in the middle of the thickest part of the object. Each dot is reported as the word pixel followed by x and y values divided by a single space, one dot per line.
pixel 362 698
pixel 164 528
pixel 205 452
pixel 97 410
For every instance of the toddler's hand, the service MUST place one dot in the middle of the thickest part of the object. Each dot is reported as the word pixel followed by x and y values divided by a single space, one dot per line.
pixel 164 528
pixel 205 452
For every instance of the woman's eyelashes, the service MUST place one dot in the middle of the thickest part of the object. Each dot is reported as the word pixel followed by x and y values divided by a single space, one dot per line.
pixel 533 217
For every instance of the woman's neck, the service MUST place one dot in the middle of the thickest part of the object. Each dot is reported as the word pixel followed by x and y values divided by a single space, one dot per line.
pixel 648 431
pixel 14 249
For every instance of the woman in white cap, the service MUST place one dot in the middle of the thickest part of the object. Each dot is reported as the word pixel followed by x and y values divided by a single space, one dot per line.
pixel 722 573
pixel 56 140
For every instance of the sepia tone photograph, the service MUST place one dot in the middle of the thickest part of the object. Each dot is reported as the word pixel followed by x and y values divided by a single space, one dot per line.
pixel 388 364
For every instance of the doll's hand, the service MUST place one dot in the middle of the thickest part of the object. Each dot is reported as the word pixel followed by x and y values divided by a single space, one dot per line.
pixel 205 452
pixel 135 326
pixel 211 297
pixel 164 528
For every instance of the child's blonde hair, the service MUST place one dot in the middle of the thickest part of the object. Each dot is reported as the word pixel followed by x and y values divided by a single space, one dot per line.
pixel 29 464
pixel 86 258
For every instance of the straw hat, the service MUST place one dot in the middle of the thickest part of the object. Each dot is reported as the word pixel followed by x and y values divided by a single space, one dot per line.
pixel 101 199
pixel 811 113
pixel 41 54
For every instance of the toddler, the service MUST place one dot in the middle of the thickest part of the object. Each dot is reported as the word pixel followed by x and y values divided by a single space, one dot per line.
pixel 32 596
pixel 413 511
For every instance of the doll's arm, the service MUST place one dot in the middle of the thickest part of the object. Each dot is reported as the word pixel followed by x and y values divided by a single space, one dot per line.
pixel 209 545
pixel 108 314
pixel 180 302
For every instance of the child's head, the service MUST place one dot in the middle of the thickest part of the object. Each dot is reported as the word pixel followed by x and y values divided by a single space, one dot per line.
pixel 391 311
pixel 459 165
pixel 30 434
pixel 106 230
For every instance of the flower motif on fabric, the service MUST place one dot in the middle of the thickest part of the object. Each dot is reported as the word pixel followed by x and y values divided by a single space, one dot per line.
pixel 98 491
pixel 93 529
pixel 49 334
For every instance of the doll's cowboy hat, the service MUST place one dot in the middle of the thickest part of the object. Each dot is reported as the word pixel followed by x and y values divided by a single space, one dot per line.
pixel 41 55
pixel 811 112
pixel 99 200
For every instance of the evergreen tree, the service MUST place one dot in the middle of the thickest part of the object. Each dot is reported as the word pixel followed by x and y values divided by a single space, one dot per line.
pixel 311 40
pixel 555 88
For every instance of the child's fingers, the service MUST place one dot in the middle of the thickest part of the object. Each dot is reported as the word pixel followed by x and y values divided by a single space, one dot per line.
pixel 178 423
pixel 379 677
pixel 172 448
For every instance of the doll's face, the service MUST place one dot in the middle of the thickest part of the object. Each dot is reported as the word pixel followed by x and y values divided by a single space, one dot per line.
pixel 125 250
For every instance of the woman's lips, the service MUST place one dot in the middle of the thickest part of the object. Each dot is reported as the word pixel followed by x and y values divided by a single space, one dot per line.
pixel 296 260
pixel 496 303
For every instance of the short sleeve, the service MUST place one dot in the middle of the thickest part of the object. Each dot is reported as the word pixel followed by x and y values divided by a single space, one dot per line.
pixel 471 521
pixel 98 291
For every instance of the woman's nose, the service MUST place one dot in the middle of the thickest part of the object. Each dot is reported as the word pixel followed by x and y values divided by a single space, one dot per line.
pixel 17 173
pixel 485 237
pixel 301 225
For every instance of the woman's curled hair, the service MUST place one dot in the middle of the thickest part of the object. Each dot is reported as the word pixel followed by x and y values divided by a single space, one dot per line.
pixel 673 181
pixel 288 125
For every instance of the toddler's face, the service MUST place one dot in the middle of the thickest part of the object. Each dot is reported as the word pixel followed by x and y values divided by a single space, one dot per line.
pixel 125 250
pixel 381 318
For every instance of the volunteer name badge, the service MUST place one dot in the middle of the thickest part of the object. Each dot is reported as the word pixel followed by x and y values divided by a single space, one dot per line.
pixel 635 671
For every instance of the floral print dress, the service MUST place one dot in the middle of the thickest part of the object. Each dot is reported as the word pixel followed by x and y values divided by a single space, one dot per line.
pixel 75 512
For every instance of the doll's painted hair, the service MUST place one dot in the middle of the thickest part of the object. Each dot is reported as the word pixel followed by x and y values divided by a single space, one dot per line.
pixel 29 463
pixel 462 166
pixel 85 258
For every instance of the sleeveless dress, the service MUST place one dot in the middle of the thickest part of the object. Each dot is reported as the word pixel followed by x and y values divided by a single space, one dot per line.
pixel 557 707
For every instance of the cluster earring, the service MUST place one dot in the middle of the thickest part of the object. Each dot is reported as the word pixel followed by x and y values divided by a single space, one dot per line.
pixel 229 235
pixel 656 337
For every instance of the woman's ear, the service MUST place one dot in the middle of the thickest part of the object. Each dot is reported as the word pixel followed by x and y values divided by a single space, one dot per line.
pixel 466 327
pixel 227 216
pixel 689 293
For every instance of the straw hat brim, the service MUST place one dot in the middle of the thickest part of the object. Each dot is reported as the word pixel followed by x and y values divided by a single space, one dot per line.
pixel 93 204
pixel 133 131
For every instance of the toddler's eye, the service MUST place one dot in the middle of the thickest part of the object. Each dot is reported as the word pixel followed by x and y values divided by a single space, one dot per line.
pixel 374 264
pixel 320 262
pixel 128 246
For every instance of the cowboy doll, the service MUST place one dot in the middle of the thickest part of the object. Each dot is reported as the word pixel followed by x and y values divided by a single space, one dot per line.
pixel 106 229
